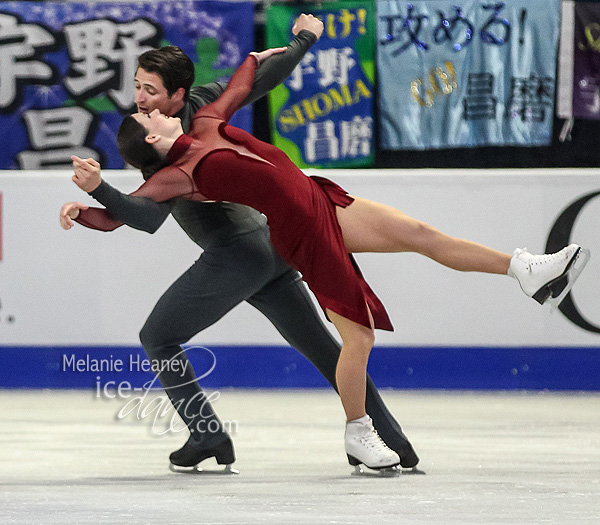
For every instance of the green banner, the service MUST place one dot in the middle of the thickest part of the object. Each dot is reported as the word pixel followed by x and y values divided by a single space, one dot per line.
pixel 322 115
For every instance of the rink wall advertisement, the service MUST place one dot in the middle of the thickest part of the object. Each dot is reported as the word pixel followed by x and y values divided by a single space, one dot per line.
pixel 322 115
pixel 68 69
pixel 465 74
pixel 86 293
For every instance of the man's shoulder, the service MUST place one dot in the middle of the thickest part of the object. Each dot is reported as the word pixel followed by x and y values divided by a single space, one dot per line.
pixel 206 93
pixel 197 98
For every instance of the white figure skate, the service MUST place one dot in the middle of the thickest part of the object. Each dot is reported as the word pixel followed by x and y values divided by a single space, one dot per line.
pixel 365 447
pixel 548 278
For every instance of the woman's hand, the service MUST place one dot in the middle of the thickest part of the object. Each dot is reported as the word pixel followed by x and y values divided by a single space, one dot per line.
pixel 68 212
pixel 263 55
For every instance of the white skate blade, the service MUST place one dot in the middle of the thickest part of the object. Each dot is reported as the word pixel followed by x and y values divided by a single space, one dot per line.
pixel 389 472
pixel 582 258
pixel 227 471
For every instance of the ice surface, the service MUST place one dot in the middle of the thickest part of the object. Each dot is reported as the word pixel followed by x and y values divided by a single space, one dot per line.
pixel 490 458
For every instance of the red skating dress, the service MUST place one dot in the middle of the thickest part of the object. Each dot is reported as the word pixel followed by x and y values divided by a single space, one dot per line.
pixel 223 163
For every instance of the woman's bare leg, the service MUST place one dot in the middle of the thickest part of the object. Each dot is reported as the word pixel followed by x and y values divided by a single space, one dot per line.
pixel 369 226
pixel 351 371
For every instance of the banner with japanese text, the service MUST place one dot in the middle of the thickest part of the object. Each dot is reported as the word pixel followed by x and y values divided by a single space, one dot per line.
pixel 579 63
pixel 323 113
pixel 67 69
pixel 466 73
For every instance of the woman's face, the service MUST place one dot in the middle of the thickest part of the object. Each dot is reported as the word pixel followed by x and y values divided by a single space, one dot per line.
pixel 158 124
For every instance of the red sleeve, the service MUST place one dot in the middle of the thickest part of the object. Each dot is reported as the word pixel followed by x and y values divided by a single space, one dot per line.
pixel 98 219
pixel 168 183
pixel 237 91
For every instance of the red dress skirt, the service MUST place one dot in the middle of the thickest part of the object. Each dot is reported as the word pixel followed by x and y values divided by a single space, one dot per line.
pixel 302 221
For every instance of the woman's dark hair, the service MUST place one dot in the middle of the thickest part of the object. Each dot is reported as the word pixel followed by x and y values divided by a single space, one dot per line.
pixel 172 65
pixel 131 141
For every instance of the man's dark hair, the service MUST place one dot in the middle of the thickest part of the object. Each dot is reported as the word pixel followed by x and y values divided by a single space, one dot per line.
pixel 131 141
pixel 172 65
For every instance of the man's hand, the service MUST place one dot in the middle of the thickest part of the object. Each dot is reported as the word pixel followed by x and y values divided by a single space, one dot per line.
pixel 86 173
pixel 310 23
pixel 68 212
pixel 263 55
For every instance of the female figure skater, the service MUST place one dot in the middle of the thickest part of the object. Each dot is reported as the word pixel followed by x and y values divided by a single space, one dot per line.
pixel 316 226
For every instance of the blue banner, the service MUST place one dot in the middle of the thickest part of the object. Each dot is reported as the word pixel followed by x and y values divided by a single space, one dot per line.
pixel 67 70
pixel 470 73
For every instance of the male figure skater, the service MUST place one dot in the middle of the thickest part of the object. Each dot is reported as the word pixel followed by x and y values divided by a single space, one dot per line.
pixel 238 263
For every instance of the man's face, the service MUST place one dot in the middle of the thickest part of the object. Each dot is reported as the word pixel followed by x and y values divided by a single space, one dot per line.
pixel 151 94
pixel 158 124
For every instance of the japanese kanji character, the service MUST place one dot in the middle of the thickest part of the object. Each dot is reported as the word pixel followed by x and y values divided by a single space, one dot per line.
pixel 334 64
pixel 480 102
pixel 530 97
pixel 296 80
pixel 55 135
pixel 356 136
pixel 102 48
pixel 20 45
pixel 321 142
pixel 410 24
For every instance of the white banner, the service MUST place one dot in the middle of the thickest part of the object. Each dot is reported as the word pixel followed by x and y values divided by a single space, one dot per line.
pixel 91 288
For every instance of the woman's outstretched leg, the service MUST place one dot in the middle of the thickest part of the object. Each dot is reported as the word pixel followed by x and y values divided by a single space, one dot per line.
pixel 368 226
pixel 362 443
pixel 373 227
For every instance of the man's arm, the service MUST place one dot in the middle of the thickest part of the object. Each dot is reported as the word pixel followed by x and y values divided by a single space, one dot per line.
pixel 140 213
pixel 274 70
pixel 277 68
pixel 166 184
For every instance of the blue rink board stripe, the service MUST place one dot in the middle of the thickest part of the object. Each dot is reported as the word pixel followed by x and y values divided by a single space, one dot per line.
pixel 505 368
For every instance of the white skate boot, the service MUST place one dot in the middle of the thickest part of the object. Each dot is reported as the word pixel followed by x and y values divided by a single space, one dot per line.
pixel 364 446
pixel 548 278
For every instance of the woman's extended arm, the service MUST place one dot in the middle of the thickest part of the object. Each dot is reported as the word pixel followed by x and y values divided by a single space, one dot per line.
pixel 238 89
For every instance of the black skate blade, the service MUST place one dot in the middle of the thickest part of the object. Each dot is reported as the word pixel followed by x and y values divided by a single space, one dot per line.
pixel 578 264
pixel 388 472
pixel 198 470
pixel 556 286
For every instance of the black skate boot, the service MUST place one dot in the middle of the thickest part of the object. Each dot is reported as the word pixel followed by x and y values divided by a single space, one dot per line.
pixel 187 458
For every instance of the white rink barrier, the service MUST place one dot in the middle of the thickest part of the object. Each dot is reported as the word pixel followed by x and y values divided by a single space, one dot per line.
pixel 84 287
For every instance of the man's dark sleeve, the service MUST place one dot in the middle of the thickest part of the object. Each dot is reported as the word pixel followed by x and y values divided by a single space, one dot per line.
pixel 275 69
pixel 272 72
pixel 140 213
